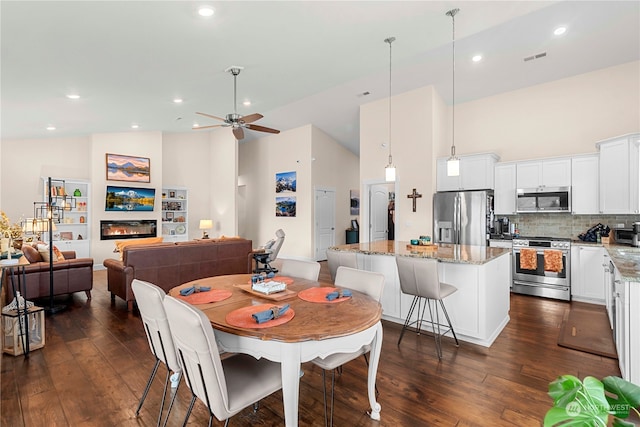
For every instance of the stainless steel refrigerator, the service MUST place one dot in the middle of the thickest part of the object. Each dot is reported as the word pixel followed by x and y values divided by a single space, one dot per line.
pixel 462 217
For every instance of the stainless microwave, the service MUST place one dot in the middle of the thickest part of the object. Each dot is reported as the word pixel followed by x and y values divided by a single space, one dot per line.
pixel 543 199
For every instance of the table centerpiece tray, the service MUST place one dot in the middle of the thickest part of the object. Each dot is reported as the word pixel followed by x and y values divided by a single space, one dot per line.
pixel 277 296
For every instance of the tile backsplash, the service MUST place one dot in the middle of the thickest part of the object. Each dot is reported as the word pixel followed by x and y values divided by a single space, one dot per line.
pixel 565 225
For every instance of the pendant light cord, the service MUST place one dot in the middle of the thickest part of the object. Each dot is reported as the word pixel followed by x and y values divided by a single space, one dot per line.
pixel 390 40
pixel 452 13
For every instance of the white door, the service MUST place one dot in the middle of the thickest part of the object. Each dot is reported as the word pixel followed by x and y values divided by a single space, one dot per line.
pixel 325 213
pixel 378 211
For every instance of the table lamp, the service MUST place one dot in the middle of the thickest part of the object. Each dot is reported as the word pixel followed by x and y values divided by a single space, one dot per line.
pixel 205 224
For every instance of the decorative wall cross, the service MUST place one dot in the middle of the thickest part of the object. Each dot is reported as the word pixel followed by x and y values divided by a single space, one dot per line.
pixel 415 195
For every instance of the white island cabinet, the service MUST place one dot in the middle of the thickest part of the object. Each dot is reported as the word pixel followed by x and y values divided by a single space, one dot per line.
pixel 479 310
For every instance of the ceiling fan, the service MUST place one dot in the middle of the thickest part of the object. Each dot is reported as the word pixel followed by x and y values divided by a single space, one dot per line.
pixel 235 120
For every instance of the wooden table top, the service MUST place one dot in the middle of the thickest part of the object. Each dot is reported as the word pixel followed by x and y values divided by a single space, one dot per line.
pixel 312 321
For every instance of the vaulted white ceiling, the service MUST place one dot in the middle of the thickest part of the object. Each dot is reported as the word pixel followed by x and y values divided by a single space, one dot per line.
pixel 305 62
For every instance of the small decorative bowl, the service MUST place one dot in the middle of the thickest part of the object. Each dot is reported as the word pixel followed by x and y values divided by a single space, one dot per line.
pixel 415 241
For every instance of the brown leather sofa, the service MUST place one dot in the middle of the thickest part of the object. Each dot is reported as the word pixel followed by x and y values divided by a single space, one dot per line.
pixel 168 265
pixel 69 276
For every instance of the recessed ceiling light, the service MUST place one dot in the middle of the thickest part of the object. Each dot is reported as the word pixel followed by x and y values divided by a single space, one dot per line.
pixel 135 126
pixel 476 58
pixel 206 11
pixel 51 128
pixel 246 103
pixel 178 100
pixel 73 96
pixel 560 31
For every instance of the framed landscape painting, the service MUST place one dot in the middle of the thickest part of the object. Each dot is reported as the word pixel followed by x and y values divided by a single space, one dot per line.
pixel 286 206
pixel 286 182
pixel 128 168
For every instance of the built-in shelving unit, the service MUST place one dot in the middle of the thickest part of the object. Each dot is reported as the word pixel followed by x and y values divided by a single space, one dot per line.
pixel 175 224
pixel 72 230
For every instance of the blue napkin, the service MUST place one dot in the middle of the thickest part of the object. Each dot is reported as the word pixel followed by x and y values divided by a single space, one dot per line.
pixel 188 291
pixel 273 313
pixel 338 294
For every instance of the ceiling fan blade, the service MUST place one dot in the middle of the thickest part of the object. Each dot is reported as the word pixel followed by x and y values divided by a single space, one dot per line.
pixel 209 115
pixel 206 127
pixel 251 118
pixel 238 133
pixel 262 128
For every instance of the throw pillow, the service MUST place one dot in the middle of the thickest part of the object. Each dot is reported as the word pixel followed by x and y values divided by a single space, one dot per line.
pixel 44 253
pixel 121 244
pixel 31 254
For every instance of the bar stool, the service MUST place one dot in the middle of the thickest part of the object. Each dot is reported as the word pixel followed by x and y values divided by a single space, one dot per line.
pixel 337 259
pixel 419 277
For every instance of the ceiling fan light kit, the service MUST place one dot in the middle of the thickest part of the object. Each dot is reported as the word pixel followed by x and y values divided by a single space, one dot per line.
pixel 234 120
pixel 453 163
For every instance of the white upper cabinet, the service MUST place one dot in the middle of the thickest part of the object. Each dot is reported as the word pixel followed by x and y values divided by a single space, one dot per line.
pixel 476 173
pixel 544 173
pixel 584 184
pixel 504 195
pixel 619 176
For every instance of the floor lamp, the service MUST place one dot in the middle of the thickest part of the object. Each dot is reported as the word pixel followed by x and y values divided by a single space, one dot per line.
pixel 46 213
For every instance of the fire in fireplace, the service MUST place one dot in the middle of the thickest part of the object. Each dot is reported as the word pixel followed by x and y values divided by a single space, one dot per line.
pixel 112 229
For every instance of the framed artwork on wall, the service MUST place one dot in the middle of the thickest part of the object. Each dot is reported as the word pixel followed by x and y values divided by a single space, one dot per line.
pixel 355 202
pixel 286 206
pixel 128 168
pixel 286 182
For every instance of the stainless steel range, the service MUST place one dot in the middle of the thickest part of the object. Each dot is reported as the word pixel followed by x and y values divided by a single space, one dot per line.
pixel 542 267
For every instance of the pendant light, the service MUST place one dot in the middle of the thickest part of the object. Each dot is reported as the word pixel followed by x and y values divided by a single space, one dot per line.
pixel 453 163
pixel 390 169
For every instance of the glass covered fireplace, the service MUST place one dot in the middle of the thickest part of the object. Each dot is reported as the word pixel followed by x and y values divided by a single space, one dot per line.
pixel 130 229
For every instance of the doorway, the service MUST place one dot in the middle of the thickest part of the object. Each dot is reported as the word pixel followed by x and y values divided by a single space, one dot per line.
pixel 325 221
pixel 381 211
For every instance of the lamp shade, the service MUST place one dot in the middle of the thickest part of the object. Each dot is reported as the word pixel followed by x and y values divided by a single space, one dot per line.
pixel 453 166
pixel 390 173
pixel 206 224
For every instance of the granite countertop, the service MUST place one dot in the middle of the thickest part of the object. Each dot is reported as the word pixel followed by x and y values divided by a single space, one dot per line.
pixel 627 261
pixel 464 254
pixel 626 258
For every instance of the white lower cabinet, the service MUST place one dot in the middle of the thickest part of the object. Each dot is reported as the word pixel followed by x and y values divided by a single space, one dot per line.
pixel 587 274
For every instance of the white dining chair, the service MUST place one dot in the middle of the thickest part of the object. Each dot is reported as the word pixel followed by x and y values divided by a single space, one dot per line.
pixel 336 259
pixel 309 270
pixel 225 386
pixel 366 282
pixel 149 299
pixel 419 277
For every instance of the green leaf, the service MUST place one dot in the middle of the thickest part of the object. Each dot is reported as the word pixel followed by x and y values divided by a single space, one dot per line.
pixel 595 396
pixel 617 422
pixel 627 396
pixel 559 417
pixel 564 389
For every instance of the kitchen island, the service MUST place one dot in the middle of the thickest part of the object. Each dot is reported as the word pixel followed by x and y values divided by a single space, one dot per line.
pixel 479 310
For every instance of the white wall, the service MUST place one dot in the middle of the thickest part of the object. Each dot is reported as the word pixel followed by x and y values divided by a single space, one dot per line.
pixel 206 164
pixel 559 118
pixel 338 168
pixel 24 162
pixel 142 144
pixel 293 150
pixel 416 120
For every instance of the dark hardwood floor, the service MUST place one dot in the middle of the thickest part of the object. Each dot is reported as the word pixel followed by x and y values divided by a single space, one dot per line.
pixel 96 362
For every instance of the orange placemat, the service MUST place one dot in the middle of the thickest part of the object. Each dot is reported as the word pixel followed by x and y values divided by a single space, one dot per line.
pixel 241 317
pixel 283 279
pixel 214 295
pixel 319 295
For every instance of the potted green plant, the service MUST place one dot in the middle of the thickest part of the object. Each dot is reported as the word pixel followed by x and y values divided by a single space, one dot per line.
pixel 585 403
